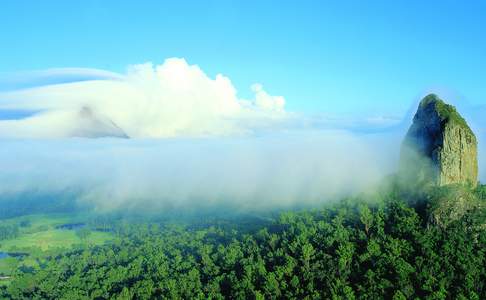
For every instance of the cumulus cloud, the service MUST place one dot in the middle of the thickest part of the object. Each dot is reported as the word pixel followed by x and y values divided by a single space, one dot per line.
pixel 267 102
pixel 169 100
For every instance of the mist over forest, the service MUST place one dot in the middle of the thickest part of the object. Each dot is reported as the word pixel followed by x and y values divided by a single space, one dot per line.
pixel 254 172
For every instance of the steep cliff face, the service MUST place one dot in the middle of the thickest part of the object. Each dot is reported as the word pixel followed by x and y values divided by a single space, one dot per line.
pixel 439 146
pixel 458 158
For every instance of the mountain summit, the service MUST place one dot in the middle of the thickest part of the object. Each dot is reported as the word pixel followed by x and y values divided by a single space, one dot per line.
pixel 439 146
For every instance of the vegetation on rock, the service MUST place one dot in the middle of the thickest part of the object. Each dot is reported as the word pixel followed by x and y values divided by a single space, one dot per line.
pixel 446 112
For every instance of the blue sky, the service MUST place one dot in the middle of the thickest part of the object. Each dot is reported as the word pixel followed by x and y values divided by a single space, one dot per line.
pixel 339 57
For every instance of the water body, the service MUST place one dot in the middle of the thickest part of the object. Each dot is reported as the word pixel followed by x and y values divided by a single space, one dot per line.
pixel 71 226
pixel 17 254
pixel 3 255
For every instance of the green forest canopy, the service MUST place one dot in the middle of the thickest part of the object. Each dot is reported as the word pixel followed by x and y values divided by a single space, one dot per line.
pixel 353 249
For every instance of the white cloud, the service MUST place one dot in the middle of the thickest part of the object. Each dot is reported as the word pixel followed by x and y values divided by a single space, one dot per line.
pixel 167 100
pixel 267 102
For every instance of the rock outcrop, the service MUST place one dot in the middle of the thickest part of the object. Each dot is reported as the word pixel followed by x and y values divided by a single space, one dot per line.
pixel 451 203
pixel 439 146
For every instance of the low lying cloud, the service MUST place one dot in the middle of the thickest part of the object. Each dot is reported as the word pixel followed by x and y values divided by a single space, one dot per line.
pixel 298 168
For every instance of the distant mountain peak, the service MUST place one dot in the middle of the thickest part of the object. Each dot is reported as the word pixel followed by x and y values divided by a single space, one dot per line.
pixel 90 124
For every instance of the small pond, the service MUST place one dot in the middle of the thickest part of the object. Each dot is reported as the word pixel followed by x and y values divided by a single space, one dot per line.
pixel 3 255
pixel 71 226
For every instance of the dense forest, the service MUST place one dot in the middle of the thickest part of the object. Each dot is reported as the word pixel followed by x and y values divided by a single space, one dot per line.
pixel 357 248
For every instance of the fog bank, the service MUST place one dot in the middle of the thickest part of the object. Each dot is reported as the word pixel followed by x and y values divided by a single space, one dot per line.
pixel 272 171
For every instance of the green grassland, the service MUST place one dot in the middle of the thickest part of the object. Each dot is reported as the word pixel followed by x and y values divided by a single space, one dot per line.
pixel 43 222
pixel 8 265
pixel 42 233
pixel 40 237
pixel 52 238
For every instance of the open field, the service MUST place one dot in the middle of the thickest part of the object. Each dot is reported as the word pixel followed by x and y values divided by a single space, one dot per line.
pixel 41 233
pixel 7 265
pixel 52 238
pixel 43 221
pixel 38 234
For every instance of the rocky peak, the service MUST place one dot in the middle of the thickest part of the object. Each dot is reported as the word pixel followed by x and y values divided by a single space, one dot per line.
pixel 439 146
